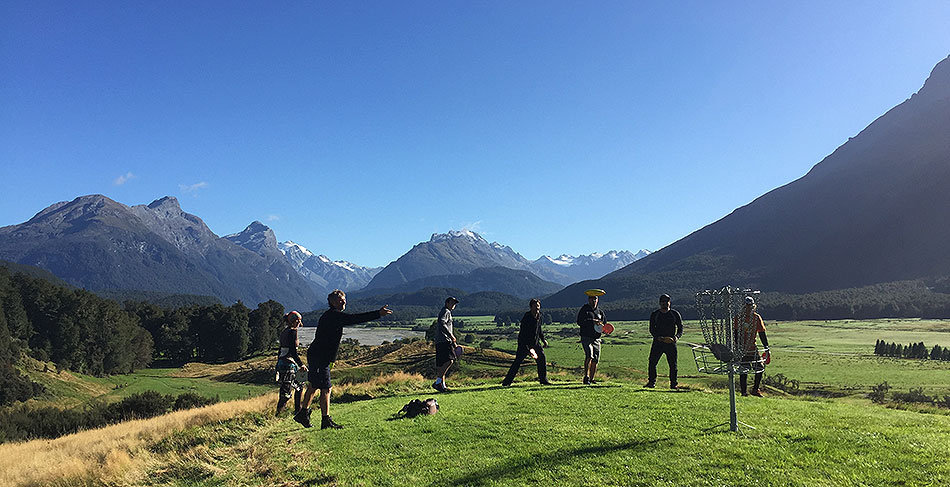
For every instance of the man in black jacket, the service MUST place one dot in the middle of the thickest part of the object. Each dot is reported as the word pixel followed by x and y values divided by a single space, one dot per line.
pixel 666 326
pixel 529 339
pixel 591 319
pixel 323 351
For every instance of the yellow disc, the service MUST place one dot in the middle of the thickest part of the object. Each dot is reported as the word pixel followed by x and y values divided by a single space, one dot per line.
pixel 595 292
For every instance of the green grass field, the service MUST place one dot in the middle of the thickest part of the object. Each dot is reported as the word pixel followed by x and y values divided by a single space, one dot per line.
pixel 835 357
pixel 615 434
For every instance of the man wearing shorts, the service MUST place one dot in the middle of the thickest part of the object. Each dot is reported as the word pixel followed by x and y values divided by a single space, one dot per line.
pixel 590 318
pixel 323 351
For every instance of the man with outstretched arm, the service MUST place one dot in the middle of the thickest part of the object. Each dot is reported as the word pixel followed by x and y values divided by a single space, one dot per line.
pixel 591 320
pixel 445 344
pixel 666 327
pixel 323 351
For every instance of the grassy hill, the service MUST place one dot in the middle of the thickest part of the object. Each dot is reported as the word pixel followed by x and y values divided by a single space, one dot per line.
pixel 612 434
pixel 615 433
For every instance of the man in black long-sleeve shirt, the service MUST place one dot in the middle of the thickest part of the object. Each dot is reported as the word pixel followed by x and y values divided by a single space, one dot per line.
pixel 323 351
pixel 666 326
pixel 529 340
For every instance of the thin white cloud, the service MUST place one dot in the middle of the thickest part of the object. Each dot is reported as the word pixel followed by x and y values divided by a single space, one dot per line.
pixel 473 227
pixel 119 181
pixel 185 188
pixel 273 218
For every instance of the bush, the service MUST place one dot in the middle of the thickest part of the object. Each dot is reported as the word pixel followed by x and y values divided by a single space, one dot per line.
pixel 879 392
pixel 779 381
pixel 485 344
pixel 914 395
pixel 190 400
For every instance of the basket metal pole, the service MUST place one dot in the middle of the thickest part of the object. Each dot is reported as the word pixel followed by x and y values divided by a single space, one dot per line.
pixel 733 416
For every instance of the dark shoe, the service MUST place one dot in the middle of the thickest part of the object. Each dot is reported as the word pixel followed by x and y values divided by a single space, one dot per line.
pixel 506 384
pixel 586 380
pixel 328 423
pixel 438 386
pixel 674 387
pixel 592 381
pixel 745 393
pixel 544 382
pixel 650 385
pixel 303 417
pixel 756 393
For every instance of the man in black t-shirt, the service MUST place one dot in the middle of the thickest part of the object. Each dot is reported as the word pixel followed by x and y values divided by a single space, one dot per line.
pixel 323 351
pixel 666 326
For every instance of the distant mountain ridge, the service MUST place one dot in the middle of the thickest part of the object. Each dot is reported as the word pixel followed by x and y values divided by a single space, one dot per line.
pixel 873 211
pixel 99 244
pixel 514 282
pixel 326 274
pixel 461 252
pixel 584 267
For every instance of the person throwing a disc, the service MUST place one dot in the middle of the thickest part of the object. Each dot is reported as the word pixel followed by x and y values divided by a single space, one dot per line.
pixel 529 343
pixel 591 320
pixel 323 351
pixel 666 326
pixel 747 325
pixel 445 344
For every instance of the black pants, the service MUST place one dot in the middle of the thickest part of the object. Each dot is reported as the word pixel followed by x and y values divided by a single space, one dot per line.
pixel 744 378
pixel 520 356
pixel 658 349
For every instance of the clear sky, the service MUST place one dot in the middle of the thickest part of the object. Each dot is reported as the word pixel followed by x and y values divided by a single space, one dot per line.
pixel 358 129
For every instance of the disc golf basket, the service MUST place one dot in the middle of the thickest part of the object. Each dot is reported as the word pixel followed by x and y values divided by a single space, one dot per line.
pixel 728 349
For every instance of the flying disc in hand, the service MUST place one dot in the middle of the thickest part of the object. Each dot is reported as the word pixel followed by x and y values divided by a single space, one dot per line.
pixel 608 328
pixel 458 351
pixel 767 357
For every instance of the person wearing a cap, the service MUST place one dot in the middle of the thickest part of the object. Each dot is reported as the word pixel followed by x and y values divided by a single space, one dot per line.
pixel 323 351
pixel 445 344
pixel 288 361
pixel 529 340
pixel 747 325
pixel 666 327
pixel 590 318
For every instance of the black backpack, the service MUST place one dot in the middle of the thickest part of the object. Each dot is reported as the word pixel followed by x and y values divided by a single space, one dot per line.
pixel 416 407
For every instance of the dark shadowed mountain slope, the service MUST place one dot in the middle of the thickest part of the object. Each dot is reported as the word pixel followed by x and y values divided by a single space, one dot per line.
pixel 99 244
pixel 520 283
pixel 873 211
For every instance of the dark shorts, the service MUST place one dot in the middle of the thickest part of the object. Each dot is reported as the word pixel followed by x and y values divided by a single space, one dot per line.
pixel 319 378
pixel 591 348
pixel 443 353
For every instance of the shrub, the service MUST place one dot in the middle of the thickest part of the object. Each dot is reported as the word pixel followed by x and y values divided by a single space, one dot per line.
pixel 485 344
pixel 879 392
pixel 189 400
pixel 913 395
pixel 779 381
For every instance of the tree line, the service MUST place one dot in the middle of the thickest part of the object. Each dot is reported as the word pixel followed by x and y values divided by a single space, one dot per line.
pixel 912 350
pixel 83 332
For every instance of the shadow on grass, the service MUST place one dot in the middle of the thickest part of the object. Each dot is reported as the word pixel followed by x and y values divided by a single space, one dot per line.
pixel 515 466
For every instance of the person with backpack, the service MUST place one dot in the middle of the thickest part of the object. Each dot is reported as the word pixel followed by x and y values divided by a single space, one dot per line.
pixel 666 327
pixel 323 351
pixel 529 343
pixel 445 343
pixel 747 325
pixel 288 362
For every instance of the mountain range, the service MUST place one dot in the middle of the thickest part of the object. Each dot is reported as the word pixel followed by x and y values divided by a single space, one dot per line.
pixel 98 244
pixel 460 252
pixel 102 245
pixel 873 211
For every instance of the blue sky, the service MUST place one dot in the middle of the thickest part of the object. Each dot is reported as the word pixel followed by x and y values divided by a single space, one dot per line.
pixel 357 129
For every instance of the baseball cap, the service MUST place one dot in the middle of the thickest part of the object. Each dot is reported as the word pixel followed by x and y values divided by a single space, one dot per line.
pixel 749 300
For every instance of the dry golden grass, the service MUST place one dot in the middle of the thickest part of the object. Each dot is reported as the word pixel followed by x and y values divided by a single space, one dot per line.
pixel 106 455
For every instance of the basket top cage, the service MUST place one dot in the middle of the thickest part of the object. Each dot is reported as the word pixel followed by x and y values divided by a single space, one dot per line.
pixel 729 331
